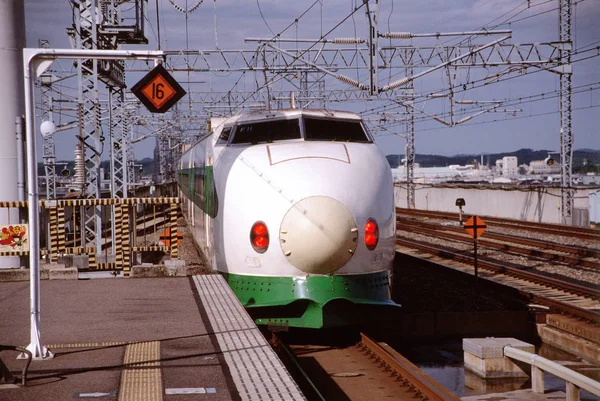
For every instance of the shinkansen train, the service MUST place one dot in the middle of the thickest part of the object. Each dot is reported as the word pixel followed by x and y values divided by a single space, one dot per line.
pixel 296 209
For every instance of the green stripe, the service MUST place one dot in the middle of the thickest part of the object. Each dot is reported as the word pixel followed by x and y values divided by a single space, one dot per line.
pixel 313 301
pixel 198 185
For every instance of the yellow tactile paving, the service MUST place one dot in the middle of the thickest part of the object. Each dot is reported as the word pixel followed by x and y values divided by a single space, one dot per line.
pixel 141 380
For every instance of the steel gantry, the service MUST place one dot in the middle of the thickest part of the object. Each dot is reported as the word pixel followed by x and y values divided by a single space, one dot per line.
pixel 273 60
pixel 101 25
pixel 87 16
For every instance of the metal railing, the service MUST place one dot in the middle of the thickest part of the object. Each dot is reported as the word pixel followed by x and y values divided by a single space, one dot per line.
pixel 574 381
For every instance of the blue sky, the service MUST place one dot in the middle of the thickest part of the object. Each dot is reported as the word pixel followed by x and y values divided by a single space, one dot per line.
pixel 535 125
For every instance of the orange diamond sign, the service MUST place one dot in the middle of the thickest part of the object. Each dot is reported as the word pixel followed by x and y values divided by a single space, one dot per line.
pixel 475 227
pixel 158 90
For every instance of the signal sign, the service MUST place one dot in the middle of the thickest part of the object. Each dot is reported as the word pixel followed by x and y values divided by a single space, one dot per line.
pixel 165 237
pixel 475 227
pixel 158 90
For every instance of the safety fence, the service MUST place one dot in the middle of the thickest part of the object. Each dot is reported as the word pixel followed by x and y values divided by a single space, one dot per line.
pixel 121 228
pixel 574 380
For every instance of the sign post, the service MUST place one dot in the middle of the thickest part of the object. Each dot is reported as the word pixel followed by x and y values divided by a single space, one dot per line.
pixel 475 227
pixel 35 62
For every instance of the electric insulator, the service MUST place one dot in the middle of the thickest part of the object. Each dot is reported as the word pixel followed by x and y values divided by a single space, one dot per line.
pixel 397 35
pixel 348 41
pixel 352 82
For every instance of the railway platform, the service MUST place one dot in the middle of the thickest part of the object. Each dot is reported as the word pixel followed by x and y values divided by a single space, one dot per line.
pixel 181 339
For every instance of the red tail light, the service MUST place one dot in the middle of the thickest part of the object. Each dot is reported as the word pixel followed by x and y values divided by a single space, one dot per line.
pixel 371 234
pixel 259 237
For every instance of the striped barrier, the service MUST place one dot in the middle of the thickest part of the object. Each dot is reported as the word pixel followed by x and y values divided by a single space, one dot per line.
pixel 64 224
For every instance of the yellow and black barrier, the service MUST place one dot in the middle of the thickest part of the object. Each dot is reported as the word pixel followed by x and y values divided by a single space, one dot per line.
pixel 62 230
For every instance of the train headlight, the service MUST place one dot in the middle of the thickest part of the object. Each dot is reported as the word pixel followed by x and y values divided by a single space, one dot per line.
pixel 371 234
pixel 259 237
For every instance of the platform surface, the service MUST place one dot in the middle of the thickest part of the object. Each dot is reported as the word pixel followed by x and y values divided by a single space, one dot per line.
pixel 141 339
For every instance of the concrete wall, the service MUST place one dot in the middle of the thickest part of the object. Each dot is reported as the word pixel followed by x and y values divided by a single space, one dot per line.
pixel 508 202
pixel 595 206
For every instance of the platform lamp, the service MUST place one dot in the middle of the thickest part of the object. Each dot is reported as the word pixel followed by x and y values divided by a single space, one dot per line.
pixel 460 202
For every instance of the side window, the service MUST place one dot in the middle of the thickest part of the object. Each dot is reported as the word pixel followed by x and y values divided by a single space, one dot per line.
pixel 224 138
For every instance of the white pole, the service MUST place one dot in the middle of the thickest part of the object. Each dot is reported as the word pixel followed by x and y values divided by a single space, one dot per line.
pixel 34 59
pixel 38 351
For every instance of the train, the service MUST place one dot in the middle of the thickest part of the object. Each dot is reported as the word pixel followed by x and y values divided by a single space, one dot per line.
pixel 295 208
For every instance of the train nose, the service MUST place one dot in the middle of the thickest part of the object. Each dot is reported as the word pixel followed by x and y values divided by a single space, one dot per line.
pixel 318 235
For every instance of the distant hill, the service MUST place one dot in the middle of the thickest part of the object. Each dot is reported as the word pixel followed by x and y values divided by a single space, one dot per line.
pixel 584 160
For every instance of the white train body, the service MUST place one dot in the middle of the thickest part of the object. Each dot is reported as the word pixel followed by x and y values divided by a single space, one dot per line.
pixel 321 187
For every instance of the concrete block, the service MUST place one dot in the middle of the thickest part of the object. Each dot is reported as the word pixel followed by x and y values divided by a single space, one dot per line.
pixel 65 273
pixel 81 261
pixel 146 270
pixel 66 260
pixel 492 347
pixel 14 275
pixel 494 368
pixel 106 258
pixel 175 267
pixel 485 357
pixel 47 266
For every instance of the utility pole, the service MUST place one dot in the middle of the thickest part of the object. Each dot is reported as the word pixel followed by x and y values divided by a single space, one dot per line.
pixel 566 133
pixel 409 92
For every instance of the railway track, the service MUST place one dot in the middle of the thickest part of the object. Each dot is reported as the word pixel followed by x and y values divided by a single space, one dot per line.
pixel 576 256
pixel 349 373
pixel 545 228
pixel 576 300
pixel 146 224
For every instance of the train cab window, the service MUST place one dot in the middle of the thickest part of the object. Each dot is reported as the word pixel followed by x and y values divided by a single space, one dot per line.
pixel 317 129
pixel 268 131
pixel 224 138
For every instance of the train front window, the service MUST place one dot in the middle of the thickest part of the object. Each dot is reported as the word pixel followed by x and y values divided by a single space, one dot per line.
pixel 224 136
pixel 317 129
pixel 267 131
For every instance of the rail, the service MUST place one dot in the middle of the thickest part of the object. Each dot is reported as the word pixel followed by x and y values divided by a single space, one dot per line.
pixel 522 249
pixel 575 381
pixel 426 387
pixel 548 228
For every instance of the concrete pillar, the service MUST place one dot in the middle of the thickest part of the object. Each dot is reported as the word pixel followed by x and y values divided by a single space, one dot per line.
pixel 485 357
pixel 572 392
pixel 12 105
pixel 537 380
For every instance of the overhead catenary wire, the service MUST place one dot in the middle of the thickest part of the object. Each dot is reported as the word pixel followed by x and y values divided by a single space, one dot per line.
pixel 306 50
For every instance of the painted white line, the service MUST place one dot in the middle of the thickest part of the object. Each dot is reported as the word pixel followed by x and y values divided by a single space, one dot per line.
pixel 95 395
pixel 196 390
